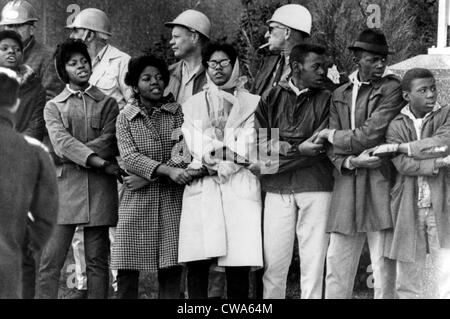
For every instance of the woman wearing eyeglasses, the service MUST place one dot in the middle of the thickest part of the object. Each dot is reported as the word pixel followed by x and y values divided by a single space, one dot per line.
pixel 221 214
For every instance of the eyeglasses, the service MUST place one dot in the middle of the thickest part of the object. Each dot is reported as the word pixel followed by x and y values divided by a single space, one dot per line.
pixel 223 63
pixel 275 27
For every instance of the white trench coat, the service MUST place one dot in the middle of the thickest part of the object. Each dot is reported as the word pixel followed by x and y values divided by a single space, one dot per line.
pixel 221 215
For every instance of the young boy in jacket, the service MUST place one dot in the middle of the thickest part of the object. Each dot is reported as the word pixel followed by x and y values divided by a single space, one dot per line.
pixel 419 199
pixel 299 192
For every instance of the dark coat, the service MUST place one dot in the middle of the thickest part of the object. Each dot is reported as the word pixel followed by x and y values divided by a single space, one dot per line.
pixel 297 118
pixel 27 184
pixel 401 243
pixel 262 82
pixel 360 201
pixel 79 127
pixel 40 59
pixel 29 118
pixel 264 79
pixel 149 218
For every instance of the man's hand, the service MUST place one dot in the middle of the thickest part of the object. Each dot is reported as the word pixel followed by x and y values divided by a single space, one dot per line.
pixel 365 160
pixel 322 136
pixel 311 148
pixel 134 182
pixel 285 148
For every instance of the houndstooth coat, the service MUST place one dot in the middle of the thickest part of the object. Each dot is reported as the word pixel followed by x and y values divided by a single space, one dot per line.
pixel 149 218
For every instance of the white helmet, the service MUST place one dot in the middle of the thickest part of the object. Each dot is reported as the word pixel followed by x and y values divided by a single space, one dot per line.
pixel 192 19
pixel 293 16
pixel 92 19
pixel 18 12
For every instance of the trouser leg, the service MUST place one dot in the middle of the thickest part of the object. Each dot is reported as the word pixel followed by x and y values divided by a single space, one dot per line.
pixel 237 282
pixel 78 256
pixel 312 241
pixel 127 284
pixel 112 236
pixel 440 257
pixel 29 268
pixel 197 279
pixel 96 248
pixel 384 269
pixel 280 217
pixel 52 261
pixel 169 282
pixel 216 282
pixel 342 261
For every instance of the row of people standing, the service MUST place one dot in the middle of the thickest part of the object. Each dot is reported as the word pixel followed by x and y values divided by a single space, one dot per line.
pixel 297 106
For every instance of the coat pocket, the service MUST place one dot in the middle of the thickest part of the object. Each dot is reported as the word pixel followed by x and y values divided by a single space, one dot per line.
pixel 95 123
pixel 107 83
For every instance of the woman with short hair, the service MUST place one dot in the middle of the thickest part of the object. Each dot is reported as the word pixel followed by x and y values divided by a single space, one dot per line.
pixel 150 209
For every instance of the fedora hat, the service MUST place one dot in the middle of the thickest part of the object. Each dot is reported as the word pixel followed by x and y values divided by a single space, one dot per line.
pixel 372 41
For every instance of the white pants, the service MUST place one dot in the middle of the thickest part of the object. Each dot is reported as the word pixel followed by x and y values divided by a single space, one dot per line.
pixel 286 215
pixel 343 257
pixel 410 275
pixel 80 262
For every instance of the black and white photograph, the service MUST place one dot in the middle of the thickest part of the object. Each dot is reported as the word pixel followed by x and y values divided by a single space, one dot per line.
pixel 224 155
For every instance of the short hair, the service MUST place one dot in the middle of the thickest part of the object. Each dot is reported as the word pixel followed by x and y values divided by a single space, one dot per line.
pixel 11 34
pixel 413 74
pixel 301 51
pixel 213 47
pixel 9 87
pixel 137 65
pixel 64 52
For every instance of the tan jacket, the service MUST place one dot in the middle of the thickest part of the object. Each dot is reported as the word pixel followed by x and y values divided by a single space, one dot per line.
pixel 360 201
pixel 109 75
pixel 401 243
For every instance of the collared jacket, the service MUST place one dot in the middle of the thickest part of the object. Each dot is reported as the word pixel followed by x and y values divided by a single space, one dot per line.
pixel 40 59
pixel 28 118
pixel 108 75
pixel 360 201
pixel 80 125
pixel 262 81
pixel 27 184
pixel 297 118
pixel 176 77
pixel 149 218
pixel 401 243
